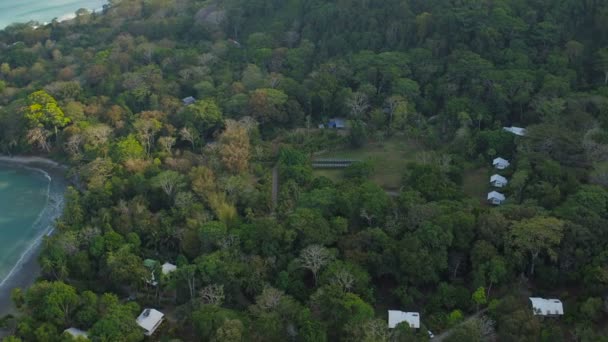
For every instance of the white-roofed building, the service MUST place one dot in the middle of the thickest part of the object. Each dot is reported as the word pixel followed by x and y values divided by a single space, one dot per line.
pixel 498 181
pixel 188 100
pixel 500 163
pixel 77 333
pixel 168 268
pixel 150 320
pixel 496 198
pixel 395 317
pixel 547 307
pixel 515 130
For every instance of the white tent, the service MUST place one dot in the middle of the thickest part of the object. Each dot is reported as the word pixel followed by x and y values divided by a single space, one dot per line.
pixel 500 163
pixel 75 332
pixel 547 307
pixel 515 130
pixel 150 320
pixel 498 181
pixel 395 317
pixel 168 268
pixel 496 198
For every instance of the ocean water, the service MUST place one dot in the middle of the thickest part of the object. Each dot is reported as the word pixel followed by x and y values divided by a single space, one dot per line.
pixel 22 11
pixel 30 200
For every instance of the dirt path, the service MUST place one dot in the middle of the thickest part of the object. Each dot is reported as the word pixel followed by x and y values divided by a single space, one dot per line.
pixel 275 186
pixel 448 332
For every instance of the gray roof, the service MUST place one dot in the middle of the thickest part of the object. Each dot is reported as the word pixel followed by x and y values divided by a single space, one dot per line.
pixel 496 195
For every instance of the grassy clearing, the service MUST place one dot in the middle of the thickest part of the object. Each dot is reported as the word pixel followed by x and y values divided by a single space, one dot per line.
pixel 476 183
pixel 389 158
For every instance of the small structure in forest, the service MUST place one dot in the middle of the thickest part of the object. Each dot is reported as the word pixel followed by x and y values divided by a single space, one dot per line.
pixel 337 123
pixel 515 130
pixel 150 320
pixel 498 181
pixel 395 317
pixel 188 100
pixel 500 163
pixel 76 333
pixel 496 198
pixel 168 268
pixel 547 307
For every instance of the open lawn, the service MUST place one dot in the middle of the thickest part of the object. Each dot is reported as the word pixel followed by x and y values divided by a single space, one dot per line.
pixel 389 158
pixel 476 184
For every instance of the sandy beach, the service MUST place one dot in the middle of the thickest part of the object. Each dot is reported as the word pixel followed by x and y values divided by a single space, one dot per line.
pixel 28 269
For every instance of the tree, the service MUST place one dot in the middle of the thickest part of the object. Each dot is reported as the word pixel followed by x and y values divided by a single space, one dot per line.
pixel 397 110
pixel 602 63
pixel 117 322
pixel 44 112
pixel 479 297
pixel 212 294
pixel 52 302
pixel 167 143
pixel 146 129
pixel 313 258
pixel 234 147
pixel 358 104
pixel 267 105
pixel 536 235
pixel 168 181
pixel 204 115
pixel 39 136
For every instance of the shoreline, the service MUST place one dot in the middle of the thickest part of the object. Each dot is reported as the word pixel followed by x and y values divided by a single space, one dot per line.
pixel 27 270
pixel 27 160
pixel 65 17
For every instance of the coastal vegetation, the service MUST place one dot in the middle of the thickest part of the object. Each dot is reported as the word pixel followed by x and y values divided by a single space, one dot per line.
pixel 267 247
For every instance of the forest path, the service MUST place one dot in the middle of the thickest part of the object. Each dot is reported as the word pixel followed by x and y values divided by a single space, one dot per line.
pixel 275 186
pixel 448 332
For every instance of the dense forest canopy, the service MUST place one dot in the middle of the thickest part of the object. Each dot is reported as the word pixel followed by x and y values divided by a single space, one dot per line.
pixel 267 247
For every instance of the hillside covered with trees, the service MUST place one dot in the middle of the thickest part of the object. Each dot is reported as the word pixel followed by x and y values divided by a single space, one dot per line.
pixel 268 249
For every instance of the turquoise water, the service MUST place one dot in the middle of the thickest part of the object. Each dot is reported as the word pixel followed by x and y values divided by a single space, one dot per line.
pixel 27 207
pixel 12 11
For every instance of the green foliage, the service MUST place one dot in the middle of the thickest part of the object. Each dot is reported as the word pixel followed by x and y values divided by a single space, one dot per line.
pixel 439 78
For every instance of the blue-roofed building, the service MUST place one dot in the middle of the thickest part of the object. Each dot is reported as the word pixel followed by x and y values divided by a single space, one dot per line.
pixel 337 123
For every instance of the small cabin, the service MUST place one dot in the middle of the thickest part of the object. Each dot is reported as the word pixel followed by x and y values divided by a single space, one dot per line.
pixel 188 100
pixel 396 317
pixel 498 181
pixel 547 307
pixel 500 163
pixel 515 130
pixel 150 320
pixel 496 198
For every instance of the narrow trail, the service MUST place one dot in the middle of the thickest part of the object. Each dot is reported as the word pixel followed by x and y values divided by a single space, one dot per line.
pixel 275 186
pixel 448 332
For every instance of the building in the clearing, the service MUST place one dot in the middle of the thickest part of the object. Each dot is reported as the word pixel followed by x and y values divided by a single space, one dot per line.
pixel 188 100
pixel 547 307
pixel 337 123
pixel 150 320
pixel 496 198
pixel 411 318
pixel 515 130
pixel 498 181
pixel 500 163
pixel 168 268
pixel 77 333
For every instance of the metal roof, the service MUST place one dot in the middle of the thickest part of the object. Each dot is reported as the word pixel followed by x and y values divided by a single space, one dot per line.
pixel 395 317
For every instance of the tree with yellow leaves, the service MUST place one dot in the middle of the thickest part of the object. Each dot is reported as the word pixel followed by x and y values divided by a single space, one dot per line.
pixel 234 147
